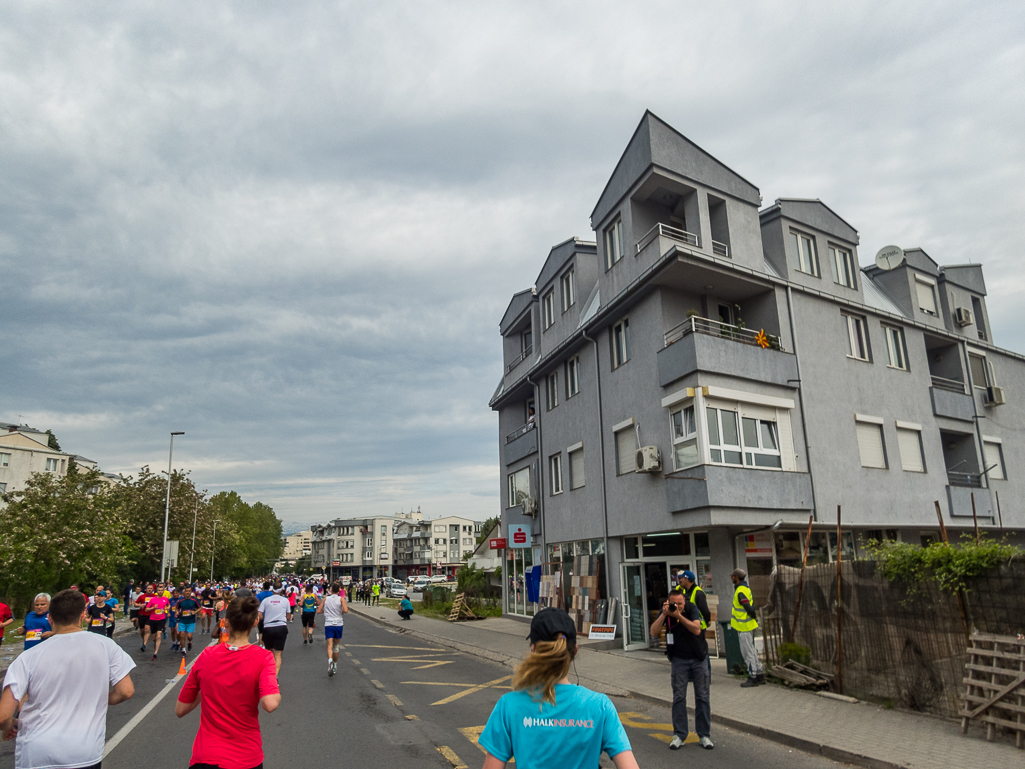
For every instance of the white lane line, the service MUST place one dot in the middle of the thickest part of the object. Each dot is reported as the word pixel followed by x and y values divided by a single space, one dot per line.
pixel 125 730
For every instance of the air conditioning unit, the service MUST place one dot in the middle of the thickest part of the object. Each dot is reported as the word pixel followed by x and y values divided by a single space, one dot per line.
pixel 529 506
pixel 648 459
pixel 995 396
pixel 963 316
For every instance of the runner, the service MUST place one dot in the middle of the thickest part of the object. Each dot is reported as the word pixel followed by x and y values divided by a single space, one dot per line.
pixel 333 608
pixel 172 619
pixel 188 608
pixel 156 605
pixel 222 630
pixel 112 602
pixel 143 613
pixel 273 612
pixel 37 622
pixel 98 614
pixel 132 607
pixel 376 592
pixel 310 607
pixel 292 593
pixel 207 604
pixel 265 593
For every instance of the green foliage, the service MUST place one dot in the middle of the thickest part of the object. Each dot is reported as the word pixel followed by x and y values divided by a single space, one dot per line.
pixel 486 528
pixel 470 579
pixel 51 441
pixel 952 567
pixel 795 652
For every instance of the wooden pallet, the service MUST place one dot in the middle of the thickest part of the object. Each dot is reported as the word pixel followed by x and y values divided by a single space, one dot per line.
pixel 996 685
pixel 460 610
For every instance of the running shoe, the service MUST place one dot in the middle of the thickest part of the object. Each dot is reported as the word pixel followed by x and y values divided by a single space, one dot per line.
pixel 330 669
pixel 190 647
pixel 154 658
pixel 143 648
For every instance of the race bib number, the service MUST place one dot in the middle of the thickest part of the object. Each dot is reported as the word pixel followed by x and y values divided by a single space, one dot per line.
pixel 33 635
pixel 97 622
pixel 187 613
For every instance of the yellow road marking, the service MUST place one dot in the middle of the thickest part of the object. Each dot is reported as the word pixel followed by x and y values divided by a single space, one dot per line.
pixel 378 684
pixel 450 755
pixel 395 700
pixel 412 718
pixel 348 654
pixel 472 733
pixel 355 662
pixel 641 721
pixel 364 671
pixel 471 690
pixel 406 648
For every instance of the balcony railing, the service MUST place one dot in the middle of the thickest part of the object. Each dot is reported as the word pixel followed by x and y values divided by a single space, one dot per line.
pixel 972 480
pixel 952 385
pixel 521 430
pixel 696 325
pixel 519 359
pixel 720 249
pixel 665 231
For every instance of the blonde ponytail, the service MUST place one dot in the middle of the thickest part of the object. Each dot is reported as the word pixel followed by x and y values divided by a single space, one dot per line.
pixel 547 663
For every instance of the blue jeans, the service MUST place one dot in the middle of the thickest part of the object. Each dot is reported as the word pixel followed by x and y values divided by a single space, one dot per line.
pixel 684 672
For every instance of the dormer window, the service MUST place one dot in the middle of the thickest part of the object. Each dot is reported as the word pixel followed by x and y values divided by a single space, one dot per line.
pixel 613 243
pixel 568 291
pixel 926 290
pixel 843 264
pixel 548 309
pixel 526 341
pixel 804 248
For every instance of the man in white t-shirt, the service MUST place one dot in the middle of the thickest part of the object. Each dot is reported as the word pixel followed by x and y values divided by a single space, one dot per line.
pixel 70 681
pixel 333 608
pixel 274 615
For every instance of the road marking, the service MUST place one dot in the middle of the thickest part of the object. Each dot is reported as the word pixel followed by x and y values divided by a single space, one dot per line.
pixel 406 648
pixel 378 684
pixel 348 654
pixel 450 755
pixel 472 733
pixel 641 721
pixel 412 718
pixel 364 671
pixel 355 662
pixel 433 665
pixel 471 690
pixel 395 700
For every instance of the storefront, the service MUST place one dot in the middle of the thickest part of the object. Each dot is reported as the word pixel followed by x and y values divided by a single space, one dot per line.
pixel 519 562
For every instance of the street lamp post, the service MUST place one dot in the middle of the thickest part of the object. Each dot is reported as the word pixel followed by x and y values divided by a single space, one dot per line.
pixel 167 508
pixel 192 552
pixel 213 541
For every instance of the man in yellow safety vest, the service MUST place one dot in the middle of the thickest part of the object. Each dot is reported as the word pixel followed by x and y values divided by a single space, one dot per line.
pixel 744 622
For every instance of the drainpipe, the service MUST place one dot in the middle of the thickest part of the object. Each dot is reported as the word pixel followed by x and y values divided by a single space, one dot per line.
pixel 540 466
pixel 978 430
pixel 601 449
pixel 800 404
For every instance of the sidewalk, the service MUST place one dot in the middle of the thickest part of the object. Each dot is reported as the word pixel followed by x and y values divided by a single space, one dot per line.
pixel 861 733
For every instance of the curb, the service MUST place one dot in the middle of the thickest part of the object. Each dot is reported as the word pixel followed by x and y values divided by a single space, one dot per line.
pixel 782 738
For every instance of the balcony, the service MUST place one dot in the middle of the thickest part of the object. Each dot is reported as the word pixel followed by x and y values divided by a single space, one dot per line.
pixel 950 400
pixel 950 385
pixel 519 359
pixel 720 249
pixel 669 233
pixel 959 499
pixel 700 344
pixel 737 487
pixel 966 480
pixel 520 443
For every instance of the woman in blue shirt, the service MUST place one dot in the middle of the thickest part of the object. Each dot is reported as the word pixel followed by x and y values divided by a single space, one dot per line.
pixel 547 721
pixel 37 622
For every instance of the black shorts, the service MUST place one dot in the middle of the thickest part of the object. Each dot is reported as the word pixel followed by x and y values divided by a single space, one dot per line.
pixel 157 625
pixel 259 627
pixel 274 638
pixel 133 614
pixel 309 618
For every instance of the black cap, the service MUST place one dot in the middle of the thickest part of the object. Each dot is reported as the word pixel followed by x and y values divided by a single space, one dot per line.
pixel 548 624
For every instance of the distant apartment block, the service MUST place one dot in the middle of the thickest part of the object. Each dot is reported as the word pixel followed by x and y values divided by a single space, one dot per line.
pixel 297 545
pixel 25 450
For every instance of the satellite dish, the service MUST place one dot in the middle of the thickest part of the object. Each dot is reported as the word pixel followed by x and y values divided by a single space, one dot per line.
pixel 889 257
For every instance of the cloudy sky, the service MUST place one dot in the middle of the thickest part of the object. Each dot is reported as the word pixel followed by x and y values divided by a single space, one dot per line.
pixel 290 230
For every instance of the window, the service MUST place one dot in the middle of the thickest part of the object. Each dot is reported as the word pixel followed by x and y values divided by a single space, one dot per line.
pixel 909 442
pixel 620 341
pixel 3 488
pixel 761 443
pixel 685 438
pixel 572 377
pixel 980 324
pixel 442 528
pixel 552 390
pixel 843 263
pixel 569 297
pixel 870 441
pixel 52 465
pixel 724 437
pixel 526 341
pixel 5 460
pixel 993 454
pixel 979 369
pixel 519 487
pixel 804 249
pixel 626 451
pixel 857 337
pixel 896 348
pixel 926 290
pixel 555 473
pixel 576 469
pixel 384 530
pixel 613 243
pixel 548 309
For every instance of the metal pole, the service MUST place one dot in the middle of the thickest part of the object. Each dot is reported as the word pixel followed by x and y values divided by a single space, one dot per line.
pixel 975 519
pixel 960 598
pixel 800 580
pixel 1000 515
pixel 839 605
pixel 192 553
pixel 213 541
pixel 167 509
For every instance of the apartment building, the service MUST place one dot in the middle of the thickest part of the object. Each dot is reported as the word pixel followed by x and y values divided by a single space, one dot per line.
pixel 689 389
pixel 434 546
pixel 25 450
pixel 353 547
pixel 296 546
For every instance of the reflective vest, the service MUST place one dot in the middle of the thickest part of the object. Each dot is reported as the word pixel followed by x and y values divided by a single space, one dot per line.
pixel 694 590
pixel 740 621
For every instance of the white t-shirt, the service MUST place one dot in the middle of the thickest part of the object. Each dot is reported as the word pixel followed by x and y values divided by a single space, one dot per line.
pixel 333 616
pixel 275 611
pixel 63 723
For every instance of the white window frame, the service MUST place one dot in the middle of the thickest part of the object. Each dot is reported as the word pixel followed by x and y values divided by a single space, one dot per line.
pixel 52 465
pixel 613 243
pixel 986 370
pixel 998 445
pixel 752 452
pixel 913 433
pixel 843 263
pixel 854 341
pixel 865 423
pixel 569 293
pixel 619 340
pixel 716 444
pixel 3 488
pixel 683 432
pixel 930 284
pixel 625 457
pixel 555 473
pixel 576 454
pixel 896 348
pixel 5 459
pixel 518 481
pixel 806 263
pixel 552 390
pixel 572 377
pixel 548 309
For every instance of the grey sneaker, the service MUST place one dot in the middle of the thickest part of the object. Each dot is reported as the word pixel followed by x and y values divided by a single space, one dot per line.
pixel 330 669
pixel 677 743
pixel 706 743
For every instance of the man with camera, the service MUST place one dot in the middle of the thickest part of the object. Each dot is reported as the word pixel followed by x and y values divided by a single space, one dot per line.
pixel 687 649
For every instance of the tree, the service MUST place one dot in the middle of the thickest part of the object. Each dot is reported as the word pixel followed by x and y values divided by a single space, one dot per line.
pixel 51 441
pixel 486 528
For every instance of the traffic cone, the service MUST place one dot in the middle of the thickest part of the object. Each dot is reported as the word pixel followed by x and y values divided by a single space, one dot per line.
pixel 181 668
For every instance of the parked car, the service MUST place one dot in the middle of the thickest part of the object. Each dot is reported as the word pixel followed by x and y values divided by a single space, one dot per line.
pixel 420 584
pixel 396 590
pixel 439 578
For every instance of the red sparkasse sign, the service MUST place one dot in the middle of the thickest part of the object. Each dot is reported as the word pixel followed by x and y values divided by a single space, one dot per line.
pixel 497 543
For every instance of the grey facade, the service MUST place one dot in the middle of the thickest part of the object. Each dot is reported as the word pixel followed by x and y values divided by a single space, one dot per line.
pixel 862 370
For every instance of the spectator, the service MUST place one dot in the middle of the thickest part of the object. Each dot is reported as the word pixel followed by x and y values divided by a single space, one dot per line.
pixel 405 608
pixel 6 618
pixel 67 684
pixel 231 681
pixel 37 624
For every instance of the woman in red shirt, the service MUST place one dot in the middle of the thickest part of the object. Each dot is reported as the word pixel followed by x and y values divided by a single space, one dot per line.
pixel 232 680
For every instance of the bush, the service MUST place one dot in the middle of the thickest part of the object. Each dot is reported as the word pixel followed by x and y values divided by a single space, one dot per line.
pixel 951 566
pixel 795 652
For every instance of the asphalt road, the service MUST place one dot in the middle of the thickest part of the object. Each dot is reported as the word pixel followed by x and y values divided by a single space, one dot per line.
pixel 396 701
